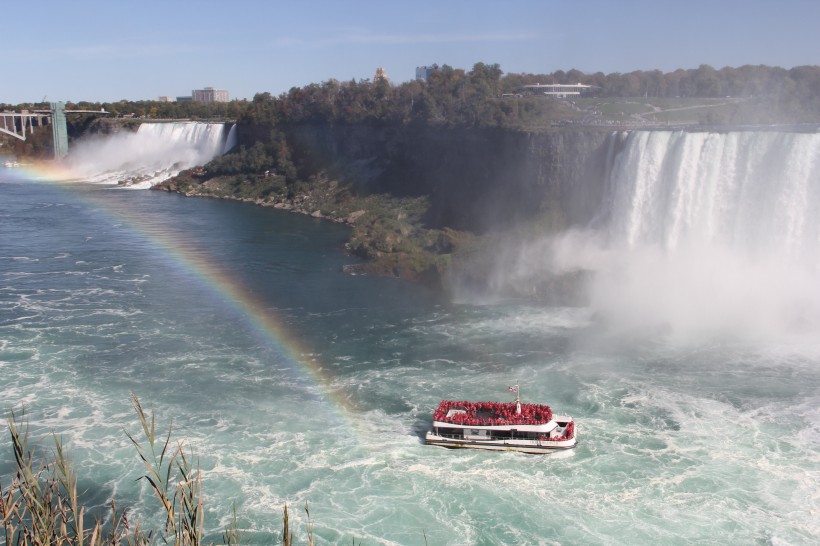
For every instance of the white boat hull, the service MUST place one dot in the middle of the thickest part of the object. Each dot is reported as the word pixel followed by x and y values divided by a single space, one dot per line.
pixel 524 446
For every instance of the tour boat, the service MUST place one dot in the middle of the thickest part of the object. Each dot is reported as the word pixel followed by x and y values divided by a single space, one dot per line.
pixel 501 426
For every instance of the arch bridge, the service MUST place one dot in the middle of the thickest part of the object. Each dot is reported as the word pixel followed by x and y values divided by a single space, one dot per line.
pixel 20 124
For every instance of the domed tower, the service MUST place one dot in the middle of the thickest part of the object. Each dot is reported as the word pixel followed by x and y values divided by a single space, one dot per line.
pixel 380 75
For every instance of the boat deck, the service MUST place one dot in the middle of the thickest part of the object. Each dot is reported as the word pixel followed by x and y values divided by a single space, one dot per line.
pixel 491 413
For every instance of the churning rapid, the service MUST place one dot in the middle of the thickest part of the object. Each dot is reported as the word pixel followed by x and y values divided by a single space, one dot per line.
pixel 700 234
pixel 691 369
pixel 155 152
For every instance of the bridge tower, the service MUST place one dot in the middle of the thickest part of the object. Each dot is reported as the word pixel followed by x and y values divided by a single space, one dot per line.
pixel 26 119
pixel 59 130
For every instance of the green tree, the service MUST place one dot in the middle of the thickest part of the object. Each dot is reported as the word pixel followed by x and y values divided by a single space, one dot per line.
pixel 706 81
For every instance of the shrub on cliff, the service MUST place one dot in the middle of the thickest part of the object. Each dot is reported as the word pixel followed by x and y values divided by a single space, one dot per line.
pixel 245 160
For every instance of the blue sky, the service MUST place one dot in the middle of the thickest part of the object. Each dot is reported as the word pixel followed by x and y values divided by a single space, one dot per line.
pixel 111 50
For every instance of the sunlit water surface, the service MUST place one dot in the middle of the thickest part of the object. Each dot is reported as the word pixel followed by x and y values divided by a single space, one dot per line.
pixel 293 382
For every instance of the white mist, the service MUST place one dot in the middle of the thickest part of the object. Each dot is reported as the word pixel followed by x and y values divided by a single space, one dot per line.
pixel 709 236
pixel 152 154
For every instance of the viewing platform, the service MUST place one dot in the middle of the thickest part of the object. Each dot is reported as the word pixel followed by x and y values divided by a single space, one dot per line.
pixel 558 90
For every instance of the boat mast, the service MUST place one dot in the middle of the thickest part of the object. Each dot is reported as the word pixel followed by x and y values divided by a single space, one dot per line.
pixel 515 389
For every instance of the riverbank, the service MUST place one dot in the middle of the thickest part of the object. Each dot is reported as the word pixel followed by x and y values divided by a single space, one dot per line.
pixel 386 231
pixel 423 204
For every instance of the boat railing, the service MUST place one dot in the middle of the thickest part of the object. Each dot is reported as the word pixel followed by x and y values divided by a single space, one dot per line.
pixel 495 435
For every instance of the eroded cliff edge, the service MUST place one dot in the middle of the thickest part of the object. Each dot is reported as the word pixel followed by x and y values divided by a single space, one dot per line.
pixel 476 179
pixel 423 199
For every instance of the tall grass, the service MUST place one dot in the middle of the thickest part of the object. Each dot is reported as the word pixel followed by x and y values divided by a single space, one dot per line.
pixel 41 506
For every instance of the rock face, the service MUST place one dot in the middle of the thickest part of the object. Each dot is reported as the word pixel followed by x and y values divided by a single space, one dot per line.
pixel 476 179
pixel 470 181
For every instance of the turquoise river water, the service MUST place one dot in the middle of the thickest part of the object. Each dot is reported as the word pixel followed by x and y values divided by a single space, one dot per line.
pixel 292 382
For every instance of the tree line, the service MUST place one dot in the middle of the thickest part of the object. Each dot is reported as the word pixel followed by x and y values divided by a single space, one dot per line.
pixel 749 81
pixel 471 97
pixel 475 97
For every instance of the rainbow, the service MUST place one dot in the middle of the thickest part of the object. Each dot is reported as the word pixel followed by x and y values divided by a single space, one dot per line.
pixel 192 262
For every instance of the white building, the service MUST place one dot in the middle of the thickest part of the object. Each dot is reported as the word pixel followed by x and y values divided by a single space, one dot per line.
pixel 423 72
pixel 209 94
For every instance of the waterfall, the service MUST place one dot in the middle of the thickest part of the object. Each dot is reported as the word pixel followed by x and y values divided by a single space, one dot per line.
pixel 155 152
pixel 709 235
pixel 753 192
pixel 231 140
pixel 701 235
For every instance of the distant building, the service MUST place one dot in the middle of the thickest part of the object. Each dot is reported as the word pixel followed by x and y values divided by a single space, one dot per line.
pixel 380 75
pixel 423 72
pixel 184 99
pixel 209 94
pixel 559 90
pixel 165 98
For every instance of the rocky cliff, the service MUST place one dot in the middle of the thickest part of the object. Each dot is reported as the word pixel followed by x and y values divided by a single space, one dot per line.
pixel 425 202
pixel 476 179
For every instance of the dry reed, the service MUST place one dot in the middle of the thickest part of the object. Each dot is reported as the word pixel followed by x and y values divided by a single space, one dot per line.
pixel 41 505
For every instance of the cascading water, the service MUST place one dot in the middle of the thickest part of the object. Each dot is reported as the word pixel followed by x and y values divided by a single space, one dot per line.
pixel 155 152
pixel 231 140
pixel 703 235
pixel 713 234
pixel 755 192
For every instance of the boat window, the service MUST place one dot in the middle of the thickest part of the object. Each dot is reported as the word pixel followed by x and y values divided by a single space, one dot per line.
pixel 476 433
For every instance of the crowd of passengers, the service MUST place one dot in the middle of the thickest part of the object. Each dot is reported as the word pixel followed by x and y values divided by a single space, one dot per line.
pixel 493 413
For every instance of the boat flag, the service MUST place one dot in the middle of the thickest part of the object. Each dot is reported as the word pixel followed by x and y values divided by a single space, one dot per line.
pixel 514 388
